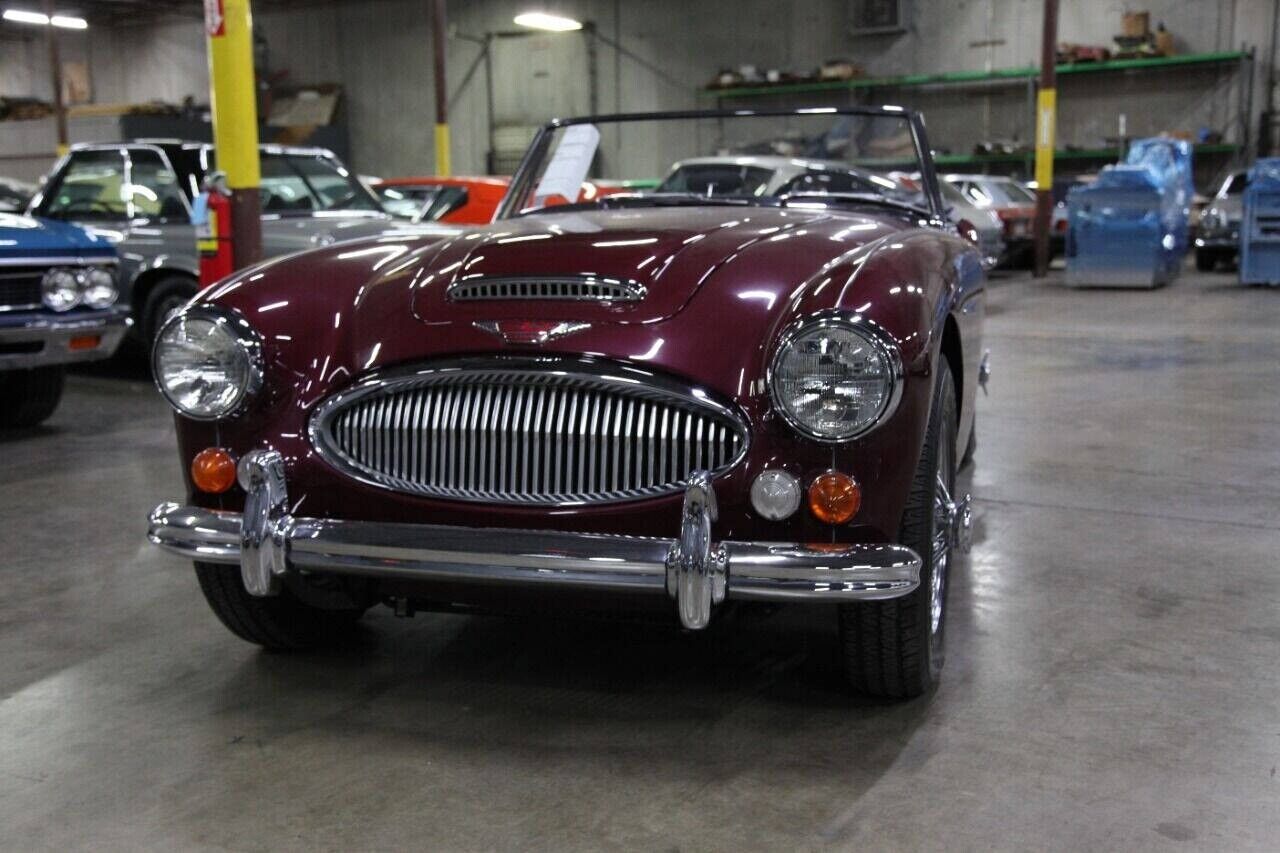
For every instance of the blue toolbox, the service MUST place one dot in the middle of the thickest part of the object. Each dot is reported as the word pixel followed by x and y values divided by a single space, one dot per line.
pixel 1129 227
pixel 1260 225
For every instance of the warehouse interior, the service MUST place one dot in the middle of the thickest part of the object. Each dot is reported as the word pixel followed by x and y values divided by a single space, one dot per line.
pixel 1102 334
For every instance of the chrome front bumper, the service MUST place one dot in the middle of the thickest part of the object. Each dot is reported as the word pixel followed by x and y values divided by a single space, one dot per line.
pixel 41 339
pixel 269 543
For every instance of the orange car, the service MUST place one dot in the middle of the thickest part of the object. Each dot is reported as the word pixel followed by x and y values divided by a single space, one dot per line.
pixel 468 200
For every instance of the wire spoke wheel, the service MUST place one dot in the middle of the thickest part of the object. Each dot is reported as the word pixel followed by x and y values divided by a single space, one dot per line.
pixel 944 510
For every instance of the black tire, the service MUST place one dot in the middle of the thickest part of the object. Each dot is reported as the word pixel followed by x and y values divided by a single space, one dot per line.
pixel 280 622
pixel 168 295
pixel 972 445
pixel 889 649
pixel 1206 261
pixel 29 397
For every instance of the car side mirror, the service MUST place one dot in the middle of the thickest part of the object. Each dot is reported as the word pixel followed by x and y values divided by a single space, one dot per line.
pixel 968 231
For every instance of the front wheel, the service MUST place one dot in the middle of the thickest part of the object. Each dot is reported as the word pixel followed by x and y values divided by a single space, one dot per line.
pixel 280 622
pixel 1206 260
pixel 165 300
pixel 29 397
pixel 895 649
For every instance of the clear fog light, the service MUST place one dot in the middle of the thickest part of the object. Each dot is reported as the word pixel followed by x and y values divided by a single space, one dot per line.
pixel 775 494
pixel 60 290
pixel 99 288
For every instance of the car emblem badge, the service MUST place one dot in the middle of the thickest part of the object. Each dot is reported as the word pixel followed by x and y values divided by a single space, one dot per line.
pixel 532 332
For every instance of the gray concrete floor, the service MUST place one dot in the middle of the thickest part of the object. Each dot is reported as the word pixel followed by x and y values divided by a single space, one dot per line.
pixel 1112 679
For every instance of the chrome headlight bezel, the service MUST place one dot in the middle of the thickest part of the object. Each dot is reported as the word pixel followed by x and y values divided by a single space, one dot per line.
pixel 247 343
pixel 875 337
pixel 47 286
pixel 88 285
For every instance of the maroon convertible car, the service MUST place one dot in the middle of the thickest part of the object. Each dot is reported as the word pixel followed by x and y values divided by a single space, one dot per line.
pixel 674 402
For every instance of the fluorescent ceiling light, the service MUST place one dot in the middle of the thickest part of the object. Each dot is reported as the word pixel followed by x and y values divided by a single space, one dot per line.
pixel 67 22
pixel 22 16
pixel 547 21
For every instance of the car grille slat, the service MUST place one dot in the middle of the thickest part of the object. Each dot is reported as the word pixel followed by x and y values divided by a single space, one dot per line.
pixel 527 435
pixel 20 288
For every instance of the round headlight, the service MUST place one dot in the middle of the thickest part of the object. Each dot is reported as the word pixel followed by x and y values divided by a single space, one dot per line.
pixel 833 378
pixel 60 290
pixel 99 287
pixel 207 362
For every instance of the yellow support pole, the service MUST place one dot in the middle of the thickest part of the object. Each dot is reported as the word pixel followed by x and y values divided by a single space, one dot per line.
pixel 233 97
pixel 443 166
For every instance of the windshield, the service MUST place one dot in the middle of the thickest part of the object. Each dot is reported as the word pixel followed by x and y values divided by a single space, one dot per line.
pixel 1235 184
pixel 301 183
pixel 306 183
pixel 724 158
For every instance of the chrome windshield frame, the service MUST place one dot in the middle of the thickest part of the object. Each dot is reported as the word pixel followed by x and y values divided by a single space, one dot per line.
pixel 526 172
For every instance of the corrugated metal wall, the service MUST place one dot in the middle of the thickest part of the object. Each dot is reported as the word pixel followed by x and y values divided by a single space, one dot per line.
pixel 380 51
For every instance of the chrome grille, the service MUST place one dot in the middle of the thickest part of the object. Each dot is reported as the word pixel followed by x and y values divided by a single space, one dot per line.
pixel 551 431
pixel 584 288
pixel 20 287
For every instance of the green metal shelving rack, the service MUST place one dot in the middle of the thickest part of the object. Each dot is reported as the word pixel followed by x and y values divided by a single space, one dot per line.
pixel 1028 76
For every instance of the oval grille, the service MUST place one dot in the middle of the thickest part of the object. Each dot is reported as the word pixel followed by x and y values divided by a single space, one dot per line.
pixel 551 432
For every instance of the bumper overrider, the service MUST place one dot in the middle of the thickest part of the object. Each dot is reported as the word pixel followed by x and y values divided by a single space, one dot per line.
pixel 269 543
pixel 43 339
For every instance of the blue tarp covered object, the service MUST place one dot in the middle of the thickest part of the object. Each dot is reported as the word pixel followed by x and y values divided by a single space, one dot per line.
pixel 1260 227
pixel 1129 227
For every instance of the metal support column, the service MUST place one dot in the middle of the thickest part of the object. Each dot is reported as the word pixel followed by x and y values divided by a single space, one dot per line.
pixel 1046 118
pixel 439 35
pixel 229 26
pixel 55 69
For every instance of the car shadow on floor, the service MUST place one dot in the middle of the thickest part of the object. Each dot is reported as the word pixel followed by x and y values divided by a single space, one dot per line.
pixel 764 692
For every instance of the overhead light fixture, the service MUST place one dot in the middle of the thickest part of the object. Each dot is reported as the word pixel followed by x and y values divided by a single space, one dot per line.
pixel 547 21
pixel 21 16
pixel 66 22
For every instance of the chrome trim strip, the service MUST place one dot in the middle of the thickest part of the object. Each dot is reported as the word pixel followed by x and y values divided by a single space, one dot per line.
pixel 565 439
pixel 61 260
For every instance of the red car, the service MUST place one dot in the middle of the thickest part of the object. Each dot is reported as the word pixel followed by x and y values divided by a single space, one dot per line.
pixel 676 401
pixel 465 201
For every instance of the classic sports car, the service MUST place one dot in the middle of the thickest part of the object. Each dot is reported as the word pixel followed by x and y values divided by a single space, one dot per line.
pixel 57 307
pixel 716 399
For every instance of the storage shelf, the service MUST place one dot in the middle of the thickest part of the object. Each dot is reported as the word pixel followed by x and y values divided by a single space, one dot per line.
pixel 955 78
pixel 1106 154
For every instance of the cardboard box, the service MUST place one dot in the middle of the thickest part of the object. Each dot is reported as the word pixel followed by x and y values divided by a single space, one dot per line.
pixel 1135 24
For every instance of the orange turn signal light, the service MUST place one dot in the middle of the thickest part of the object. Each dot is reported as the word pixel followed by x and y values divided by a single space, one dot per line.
pixel 213 470
pixel 84 342
pixel 834 498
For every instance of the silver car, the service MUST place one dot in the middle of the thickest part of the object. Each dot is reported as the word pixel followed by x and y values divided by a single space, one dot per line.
pixel 139 195
pixel 984 220
pixel 1218 238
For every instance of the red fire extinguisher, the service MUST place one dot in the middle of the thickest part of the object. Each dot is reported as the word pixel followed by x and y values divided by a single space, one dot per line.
pixel 212 217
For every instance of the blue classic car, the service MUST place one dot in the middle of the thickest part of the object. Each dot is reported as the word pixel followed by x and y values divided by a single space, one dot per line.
pixel 58 292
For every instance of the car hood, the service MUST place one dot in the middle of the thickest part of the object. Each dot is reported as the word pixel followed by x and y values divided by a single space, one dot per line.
pixel 721 282
pixel 28 236
pixel 668 252
pixel 287 234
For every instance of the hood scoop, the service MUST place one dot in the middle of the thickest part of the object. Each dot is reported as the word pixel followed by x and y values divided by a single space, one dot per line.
pixel 572 288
